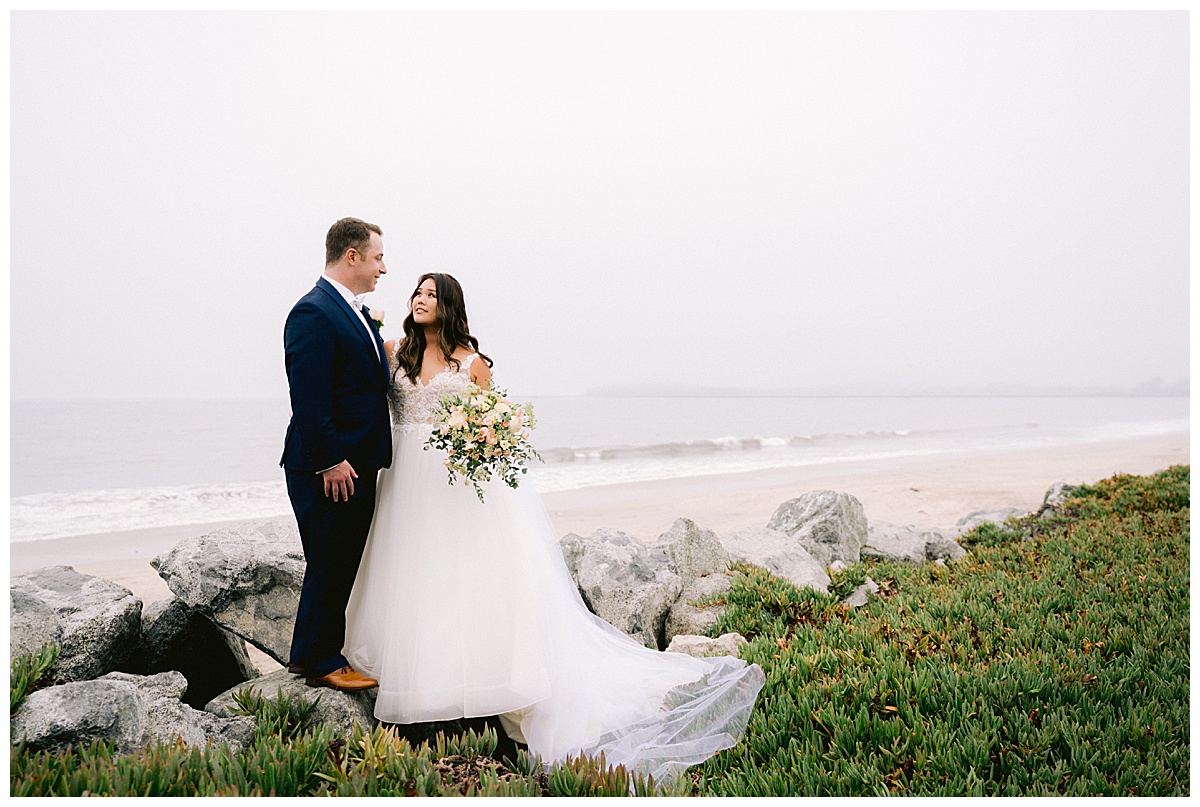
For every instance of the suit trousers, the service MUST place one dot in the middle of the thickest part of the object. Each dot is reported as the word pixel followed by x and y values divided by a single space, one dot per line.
pixel 334 535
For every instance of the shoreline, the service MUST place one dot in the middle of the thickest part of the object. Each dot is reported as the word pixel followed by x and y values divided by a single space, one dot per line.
pixel 927 491
pixel 932 491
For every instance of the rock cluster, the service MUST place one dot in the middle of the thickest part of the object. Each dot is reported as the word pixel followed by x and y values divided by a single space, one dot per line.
pixel 125 674
pixel 96 623
pixel 132 675
pixel 672 588
pixel 633 586
pixel 623 581
pixel 130 711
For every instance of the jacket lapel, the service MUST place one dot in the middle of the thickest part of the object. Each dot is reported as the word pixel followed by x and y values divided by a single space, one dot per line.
pixel 328 288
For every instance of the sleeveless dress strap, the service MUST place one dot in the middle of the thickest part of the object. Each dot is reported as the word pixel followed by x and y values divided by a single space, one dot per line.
pixel 466 364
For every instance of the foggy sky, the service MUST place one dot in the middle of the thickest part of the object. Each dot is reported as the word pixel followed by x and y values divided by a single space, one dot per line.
pixel 775 200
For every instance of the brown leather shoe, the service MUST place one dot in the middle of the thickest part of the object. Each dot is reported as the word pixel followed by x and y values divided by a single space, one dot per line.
pixel 343 680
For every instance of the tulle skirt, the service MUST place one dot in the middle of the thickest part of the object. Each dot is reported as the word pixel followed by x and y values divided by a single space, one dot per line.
pixel 466 609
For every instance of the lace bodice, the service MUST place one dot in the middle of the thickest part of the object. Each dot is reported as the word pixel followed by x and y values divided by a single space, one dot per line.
pixel 413 404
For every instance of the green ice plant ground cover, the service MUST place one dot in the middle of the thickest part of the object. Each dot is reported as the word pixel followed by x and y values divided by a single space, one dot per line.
pixel 1054 659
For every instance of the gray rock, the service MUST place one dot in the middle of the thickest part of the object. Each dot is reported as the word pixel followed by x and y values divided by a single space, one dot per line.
pixel 893 543
pixel 837 567
pixel 693 552
pixel 943 546
pixel 96 622
pixel 246 578
pixel 176 637
pixel 129 711
pixel 32 623
pixel 830 525
pixel 624 582
pixel 860 595
pixel 727 644
pixel 684 618
pixel 779 553
pixel 1052 503
pixel 338 709
pixel 998 517
pixel 909 544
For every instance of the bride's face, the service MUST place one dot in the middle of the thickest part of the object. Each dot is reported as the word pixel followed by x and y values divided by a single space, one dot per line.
pixel 424 303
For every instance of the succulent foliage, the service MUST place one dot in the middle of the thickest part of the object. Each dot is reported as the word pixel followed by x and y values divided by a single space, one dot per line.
pixel 1054 659
pixel 27 672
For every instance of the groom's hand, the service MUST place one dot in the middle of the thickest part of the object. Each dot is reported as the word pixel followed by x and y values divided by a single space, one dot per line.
pixel 340 479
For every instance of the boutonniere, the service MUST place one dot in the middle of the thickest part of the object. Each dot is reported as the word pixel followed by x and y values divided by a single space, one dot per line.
pixel 377 318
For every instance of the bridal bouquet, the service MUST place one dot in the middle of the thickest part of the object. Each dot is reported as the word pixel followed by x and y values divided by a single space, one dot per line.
pixel 485 434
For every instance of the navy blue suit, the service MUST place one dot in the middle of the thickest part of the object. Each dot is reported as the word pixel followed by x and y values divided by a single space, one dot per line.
pixel 338 387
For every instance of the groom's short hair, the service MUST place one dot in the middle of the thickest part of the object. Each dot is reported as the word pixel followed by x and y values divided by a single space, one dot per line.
pixel 348 233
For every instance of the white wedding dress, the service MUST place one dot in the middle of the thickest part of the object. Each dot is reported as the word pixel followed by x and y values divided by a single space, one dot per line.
pixel 463 609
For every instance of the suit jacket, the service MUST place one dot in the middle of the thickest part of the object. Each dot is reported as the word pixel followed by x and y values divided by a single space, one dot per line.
pixel 338 387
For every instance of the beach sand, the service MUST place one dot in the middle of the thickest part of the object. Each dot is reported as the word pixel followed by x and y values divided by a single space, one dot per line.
pixel 926 491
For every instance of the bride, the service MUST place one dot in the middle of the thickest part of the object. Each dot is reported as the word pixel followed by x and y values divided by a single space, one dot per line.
pixel 466 609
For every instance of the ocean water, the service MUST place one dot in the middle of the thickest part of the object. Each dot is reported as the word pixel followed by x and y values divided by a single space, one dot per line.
pixel 85 467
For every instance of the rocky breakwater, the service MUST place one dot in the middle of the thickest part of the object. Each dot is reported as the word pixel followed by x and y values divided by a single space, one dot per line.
pixel 246 578
pixel 673 587
pixel 96 623
pixel 669 594
pixel 129 711
pixel 116 675
pixel 632 585
pixel 132 674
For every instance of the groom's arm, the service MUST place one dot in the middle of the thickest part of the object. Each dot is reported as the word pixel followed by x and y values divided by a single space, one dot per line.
pixel 309 344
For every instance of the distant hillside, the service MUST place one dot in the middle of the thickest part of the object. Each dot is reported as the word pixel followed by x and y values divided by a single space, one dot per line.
pixel 1153 388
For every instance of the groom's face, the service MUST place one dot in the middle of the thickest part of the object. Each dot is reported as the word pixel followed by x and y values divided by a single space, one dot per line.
pixel 367 265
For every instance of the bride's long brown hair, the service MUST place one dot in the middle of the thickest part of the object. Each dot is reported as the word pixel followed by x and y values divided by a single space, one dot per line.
pixel 453 333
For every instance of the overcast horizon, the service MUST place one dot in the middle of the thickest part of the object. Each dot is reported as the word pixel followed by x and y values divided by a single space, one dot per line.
pixel 774 201
pixel 1147 389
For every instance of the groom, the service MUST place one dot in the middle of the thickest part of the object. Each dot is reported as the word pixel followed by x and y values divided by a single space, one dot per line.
pixel 338 439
